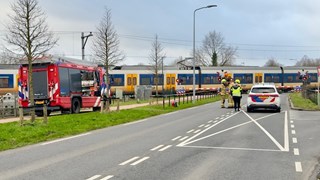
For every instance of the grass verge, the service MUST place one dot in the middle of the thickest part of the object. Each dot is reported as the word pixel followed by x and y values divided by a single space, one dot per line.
pixel 12 135
pixel 299 102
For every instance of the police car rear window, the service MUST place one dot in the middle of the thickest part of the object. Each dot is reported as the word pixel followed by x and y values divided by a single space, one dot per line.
pixel 263 90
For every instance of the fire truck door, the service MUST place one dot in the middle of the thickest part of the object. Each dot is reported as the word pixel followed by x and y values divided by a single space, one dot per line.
pixel 40 84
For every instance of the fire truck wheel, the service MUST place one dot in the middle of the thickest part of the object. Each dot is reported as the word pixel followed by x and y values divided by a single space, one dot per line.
pixel 96 108
pixel 75 106
pixel 39 113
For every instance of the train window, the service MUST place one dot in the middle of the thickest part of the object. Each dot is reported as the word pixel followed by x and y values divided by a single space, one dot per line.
pixel 134 79
pixel 216 80
pixel 206 80
pixel 290 79
pixel 173 80
pixel 145 81
pixel 268 79
pixel 129 81
pixel 184 80
pixel 168 80
pixel 117 82
pixel 4 82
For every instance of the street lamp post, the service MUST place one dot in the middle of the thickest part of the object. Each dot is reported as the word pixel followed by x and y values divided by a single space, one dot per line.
pixel 84 40
pixel 194 50
pixel 162 75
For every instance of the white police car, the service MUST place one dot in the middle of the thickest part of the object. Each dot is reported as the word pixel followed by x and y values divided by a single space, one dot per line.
pixel 264 96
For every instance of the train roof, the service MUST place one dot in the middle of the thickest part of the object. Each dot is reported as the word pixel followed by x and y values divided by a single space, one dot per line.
pixel 9 66
pixel 142 67
pixel 215 68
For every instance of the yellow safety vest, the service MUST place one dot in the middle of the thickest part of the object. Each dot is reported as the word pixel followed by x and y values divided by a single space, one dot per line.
pixel 236 91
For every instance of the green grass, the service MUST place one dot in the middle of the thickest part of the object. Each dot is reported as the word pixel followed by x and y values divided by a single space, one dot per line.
pixel 299 102
pixel 12 135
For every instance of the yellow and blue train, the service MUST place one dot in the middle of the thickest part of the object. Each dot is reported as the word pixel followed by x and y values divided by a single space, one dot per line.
pixel 8 79
pixel 209 78
pixel 172 78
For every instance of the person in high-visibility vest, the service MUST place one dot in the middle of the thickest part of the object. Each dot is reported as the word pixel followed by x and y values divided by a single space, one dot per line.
pixel 236 92
pixel 224 91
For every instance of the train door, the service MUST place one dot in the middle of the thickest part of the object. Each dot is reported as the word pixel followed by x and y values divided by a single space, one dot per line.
pixel 170 82
pixel 131 82
pixel 257 77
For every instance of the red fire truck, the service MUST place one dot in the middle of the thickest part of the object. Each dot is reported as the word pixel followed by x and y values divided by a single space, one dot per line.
pixel 64 84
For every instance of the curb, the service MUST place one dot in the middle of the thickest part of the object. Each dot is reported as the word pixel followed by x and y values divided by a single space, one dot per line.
pixel 292 106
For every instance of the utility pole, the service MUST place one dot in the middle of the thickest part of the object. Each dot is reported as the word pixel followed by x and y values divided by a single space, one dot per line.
pixel 84 40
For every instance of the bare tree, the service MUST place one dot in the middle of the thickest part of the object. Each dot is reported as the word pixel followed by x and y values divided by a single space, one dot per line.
pixel 200 58
pixel 156 58
pixel 106 43
pixel 272 62
pixel 217 53
pixel 306 61
pixel 228 56
pixel 29 34
pixel 8 57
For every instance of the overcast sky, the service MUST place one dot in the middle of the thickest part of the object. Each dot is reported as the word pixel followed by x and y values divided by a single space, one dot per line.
pixel 261 29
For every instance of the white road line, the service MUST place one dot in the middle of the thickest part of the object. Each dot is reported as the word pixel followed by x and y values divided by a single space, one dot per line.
pixel 107 177
pixel 293 131
pixel 176 138
pixel 210 121
pixel 201 125
pixel 128 161
pixel 165 148
pixel 197 131
pixel 296 151
pixel 222 115
pixel 217 117
pixel 298 167
pixel 135 122
pixel 267 133
pixel 292 126
pixel 294 140
pixel 215 121
pixel 190 131
pixel 207 125
pixel 230 148
pixel 94 177
pixel 155 148
pixel 63 139
pixel 291 122
pixel 184 138
pixel 188 140
pixel 140 161
pixel 286 133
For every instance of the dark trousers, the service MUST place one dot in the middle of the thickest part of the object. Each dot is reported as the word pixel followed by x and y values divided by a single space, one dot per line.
pixel 236 100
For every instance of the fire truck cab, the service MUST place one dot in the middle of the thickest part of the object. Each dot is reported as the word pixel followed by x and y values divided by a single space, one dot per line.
pixel 62 84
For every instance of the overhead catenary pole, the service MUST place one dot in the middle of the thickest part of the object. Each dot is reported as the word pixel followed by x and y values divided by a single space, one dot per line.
pixel 194 51
pixel 84 40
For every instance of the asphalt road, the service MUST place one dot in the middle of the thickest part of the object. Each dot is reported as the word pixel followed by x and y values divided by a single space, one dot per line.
pixel 205 142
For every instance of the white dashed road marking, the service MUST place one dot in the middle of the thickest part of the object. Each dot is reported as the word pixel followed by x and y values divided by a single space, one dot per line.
pixel 184 138
pixel 139 161
pixel 176 138
pixel 165 148
pixel 128 161
pixel 190 131
pixel 296 151
pixel 298 166
pixel 155 148
pixel 293 131
pixel 294 140
pixel 107 177
pixel 94 177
